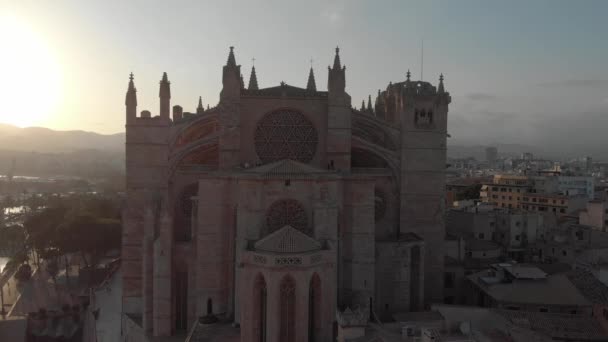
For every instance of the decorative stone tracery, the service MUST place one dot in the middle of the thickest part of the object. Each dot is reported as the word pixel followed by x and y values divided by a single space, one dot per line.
pixel 287 212
pixel 285 134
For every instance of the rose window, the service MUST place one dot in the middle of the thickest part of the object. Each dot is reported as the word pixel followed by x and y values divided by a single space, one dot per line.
pixel 285 134
pixel 287 212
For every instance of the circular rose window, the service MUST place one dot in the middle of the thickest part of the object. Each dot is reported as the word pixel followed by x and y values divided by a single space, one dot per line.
pixel 285 134
pixel 287 212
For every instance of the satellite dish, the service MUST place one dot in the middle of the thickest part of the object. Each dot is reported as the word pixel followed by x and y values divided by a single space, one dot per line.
pixel 465 328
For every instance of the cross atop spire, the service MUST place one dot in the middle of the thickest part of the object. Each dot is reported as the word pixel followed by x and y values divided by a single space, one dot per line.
pixel 253 79
pixel 231 59
pixel 311 85
pixel 440 88
pixel 131 83
pixel 337 59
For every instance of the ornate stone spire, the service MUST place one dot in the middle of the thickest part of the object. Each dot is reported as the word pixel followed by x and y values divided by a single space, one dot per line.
pixel 362 105
pixel 131 101
pixel 337 64
pixel 311 85
pixel 232 79
pixel 369 104
pixel 165 96
pixel 440 88
pixel 131 91
pixel 200 109
pixel 408 75
pixel 336 78
pixel 231 59
pixel 253 80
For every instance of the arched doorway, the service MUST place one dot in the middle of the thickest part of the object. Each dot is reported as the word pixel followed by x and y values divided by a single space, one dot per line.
pixel 288 310
pixel 209 306
pixel 314 309
pixel 259 309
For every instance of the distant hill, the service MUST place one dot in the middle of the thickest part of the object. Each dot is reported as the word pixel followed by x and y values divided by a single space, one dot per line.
pixel 46 140
pixel 40 151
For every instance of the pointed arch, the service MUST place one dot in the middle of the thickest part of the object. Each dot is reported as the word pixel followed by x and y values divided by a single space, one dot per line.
pixel 259 308
pixel 288 309
pixel 315 312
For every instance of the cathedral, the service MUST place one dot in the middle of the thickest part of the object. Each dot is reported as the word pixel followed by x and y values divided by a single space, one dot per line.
pixel 283 210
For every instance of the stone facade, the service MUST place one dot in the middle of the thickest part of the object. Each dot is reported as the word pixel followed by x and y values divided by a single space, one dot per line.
pixel 282 205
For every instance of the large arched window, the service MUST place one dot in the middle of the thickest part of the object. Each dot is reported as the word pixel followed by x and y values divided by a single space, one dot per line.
pixel 259 309
pixel 288 310
pixel 285 134
pixel 314 309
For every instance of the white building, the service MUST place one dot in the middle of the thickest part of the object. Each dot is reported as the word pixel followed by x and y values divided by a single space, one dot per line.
pixel 576 185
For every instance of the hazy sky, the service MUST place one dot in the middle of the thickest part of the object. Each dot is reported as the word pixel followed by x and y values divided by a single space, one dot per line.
pixel 518 71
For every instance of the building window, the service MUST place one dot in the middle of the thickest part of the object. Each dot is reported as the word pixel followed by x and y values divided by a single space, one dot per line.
pixel 562 210
pixel 288 309
pixel 564 253
pixel 514 308
pixel 449 279
pixel 543 310
pixel 481 235
pixel 314 308
pixel 517 237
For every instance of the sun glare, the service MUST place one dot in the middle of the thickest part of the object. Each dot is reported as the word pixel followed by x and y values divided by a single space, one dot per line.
pixel 31 77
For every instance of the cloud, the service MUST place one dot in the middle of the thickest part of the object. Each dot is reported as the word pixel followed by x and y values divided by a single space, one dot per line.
pixel 575 83
pixel 481 97
pixel 334 13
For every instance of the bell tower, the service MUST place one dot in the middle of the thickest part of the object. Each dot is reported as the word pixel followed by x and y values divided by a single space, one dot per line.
pixel 423 111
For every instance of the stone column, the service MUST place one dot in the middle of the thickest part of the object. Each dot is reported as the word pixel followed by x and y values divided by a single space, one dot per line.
pixel 301 320
pixel 273 320
pixel 162 278
pixel 148 269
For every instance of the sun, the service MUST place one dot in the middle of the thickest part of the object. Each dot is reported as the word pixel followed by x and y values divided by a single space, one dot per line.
pixel 30 77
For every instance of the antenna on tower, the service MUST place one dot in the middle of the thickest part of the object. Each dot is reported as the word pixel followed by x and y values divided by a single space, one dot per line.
pixel 422 60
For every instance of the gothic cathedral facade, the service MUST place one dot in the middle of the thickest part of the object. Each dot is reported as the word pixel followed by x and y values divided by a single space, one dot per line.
pixel 281 207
